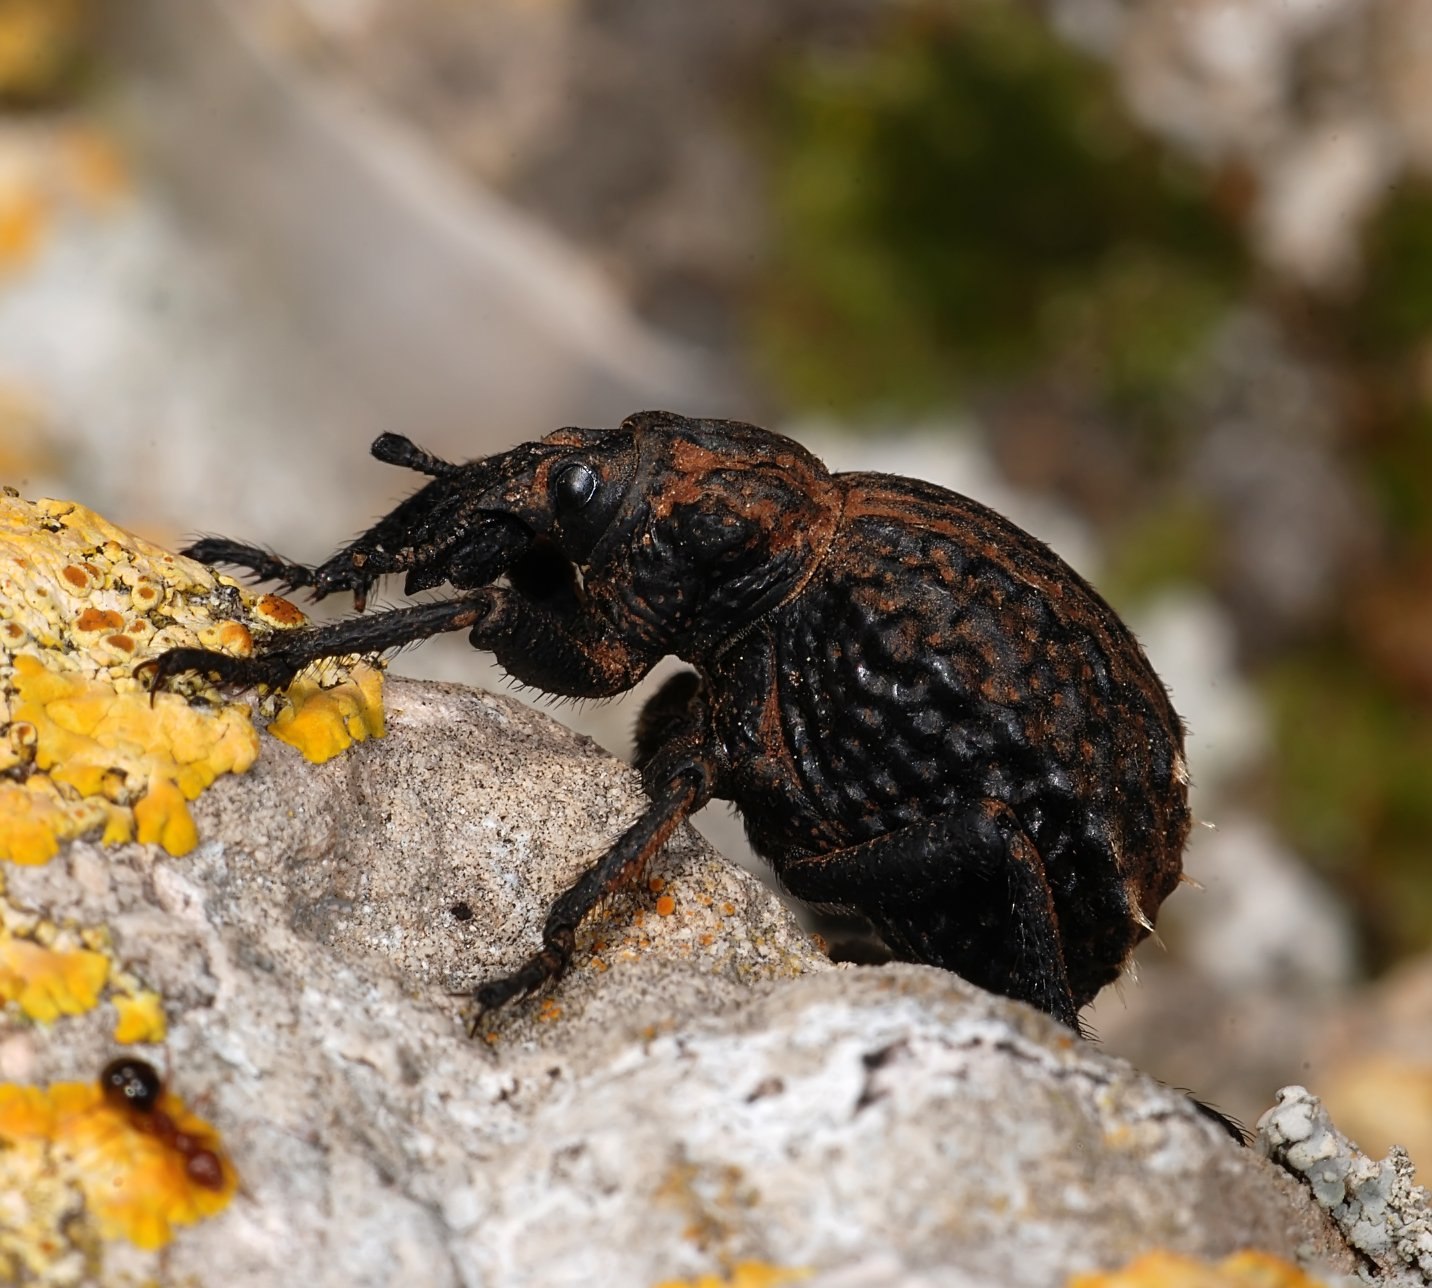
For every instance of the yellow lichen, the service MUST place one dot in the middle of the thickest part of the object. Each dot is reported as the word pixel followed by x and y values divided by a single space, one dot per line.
pixel 1172 1270
pixel 141 1017
pixel 744 1274
pixel 324 721
pixel 83 744
pixel 132 1178
pixel 48 971
pixel 48 982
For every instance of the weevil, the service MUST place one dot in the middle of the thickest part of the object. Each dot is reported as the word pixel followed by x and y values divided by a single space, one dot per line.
pixel 923 715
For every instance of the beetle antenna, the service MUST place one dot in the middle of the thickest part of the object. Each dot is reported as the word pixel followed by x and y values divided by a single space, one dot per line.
pixel 394 449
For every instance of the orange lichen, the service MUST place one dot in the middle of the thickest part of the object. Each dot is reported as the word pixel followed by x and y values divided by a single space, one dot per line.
pixel 134 1184
pixel 744 1274
pixel 278 611
pixel 94 166
pixel 83 744
pixel 665 906
pixel 1173 1270
pixel 549 1012
pixel 49 982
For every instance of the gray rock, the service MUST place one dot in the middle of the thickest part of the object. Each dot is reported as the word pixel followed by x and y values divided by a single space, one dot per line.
pixel 703 1089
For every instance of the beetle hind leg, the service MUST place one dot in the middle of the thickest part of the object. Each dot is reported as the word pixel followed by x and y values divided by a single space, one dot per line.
pixel 965 891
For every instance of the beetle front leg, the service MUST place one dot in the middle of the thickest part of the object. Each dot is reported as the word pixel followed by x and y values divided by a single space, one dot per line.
pixel 282 655
pixel 965 891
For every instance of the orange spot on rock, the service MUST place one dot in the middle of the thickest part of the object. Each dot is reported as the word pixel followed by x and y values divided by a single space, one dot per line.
pixel 235 637
pixel 77 577
pixel 122 642
pixel 22 220
pixel 665 906
pixel 1173 1270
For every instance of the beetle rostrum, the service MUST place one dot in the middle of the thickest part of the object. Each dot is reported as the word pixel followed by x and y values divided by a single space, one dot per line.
pixel 922 713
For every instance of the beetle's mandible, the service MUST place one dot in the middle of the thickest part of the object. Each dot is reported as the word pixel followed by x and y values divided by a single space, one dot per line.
pixel 921 712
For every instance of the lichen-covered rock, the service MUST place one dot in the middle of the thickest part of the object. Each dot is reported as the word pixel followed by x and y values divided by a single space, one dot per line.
pixel 84 746
pixel 1385 1215
pixel 703 1091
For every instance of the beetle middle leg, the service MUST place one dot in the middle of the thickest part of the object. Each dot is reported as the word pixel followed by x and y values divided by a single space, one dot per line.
pixel 679 771
pixel 965 891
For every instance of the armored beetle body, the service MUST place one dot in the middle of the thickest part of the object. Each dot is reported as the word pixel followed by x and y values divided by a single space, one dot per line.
pixel 921 712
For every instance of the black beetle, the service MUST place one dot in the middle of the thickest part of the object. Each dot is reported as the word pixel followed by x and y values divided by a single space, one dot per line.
pixel 922 713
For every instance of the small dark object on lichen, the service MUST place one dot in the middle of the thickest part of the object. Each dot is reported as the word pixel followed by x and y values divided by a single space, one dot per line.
pixel 132 1085
pixel 129 1083
pixel 922 713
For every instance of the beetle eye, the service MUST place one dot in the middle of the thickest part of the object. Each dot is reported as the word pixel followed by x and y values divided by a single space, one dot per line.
pixel 574 487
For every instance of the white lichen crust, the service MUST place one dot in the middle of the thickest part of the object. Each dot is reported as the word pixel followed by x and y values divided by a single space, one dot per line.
pixel 1380 1209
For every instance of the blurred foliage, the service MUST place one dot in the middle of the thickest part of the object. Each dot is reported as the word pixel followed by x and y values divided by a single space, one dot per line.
pixel 1394 307
pixel 1352 707
pixel 1354 775
pixel 1389 331
pixel 1173 544
pixel 44 46
pixel 965 201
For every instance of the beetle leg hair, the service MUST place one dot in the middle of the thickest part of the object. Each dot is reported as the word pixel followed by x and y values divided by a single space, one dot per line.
pixel 261 564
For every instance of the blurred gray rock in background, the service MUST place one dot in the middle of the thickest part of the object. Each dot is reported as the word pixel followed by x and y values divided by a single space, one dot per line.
pixel 1323 102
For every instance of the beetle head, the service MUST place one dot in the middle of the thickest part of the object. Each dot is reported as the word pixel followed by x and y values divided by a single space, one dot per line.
pixel 686 531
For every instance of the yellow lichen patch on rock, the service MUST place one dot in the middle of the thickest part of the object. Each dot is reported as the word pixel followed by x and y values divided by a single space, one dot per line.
pixel 321 721
pixel 48 971
pixel 133 1182
pixel 46 982
pixel 141 1017
pixel 1172 1270
pixel 84 746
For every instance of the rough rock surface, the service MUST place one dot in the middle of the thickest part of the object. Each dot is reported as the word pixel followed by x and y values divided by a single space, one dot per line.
pixel 703 1090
